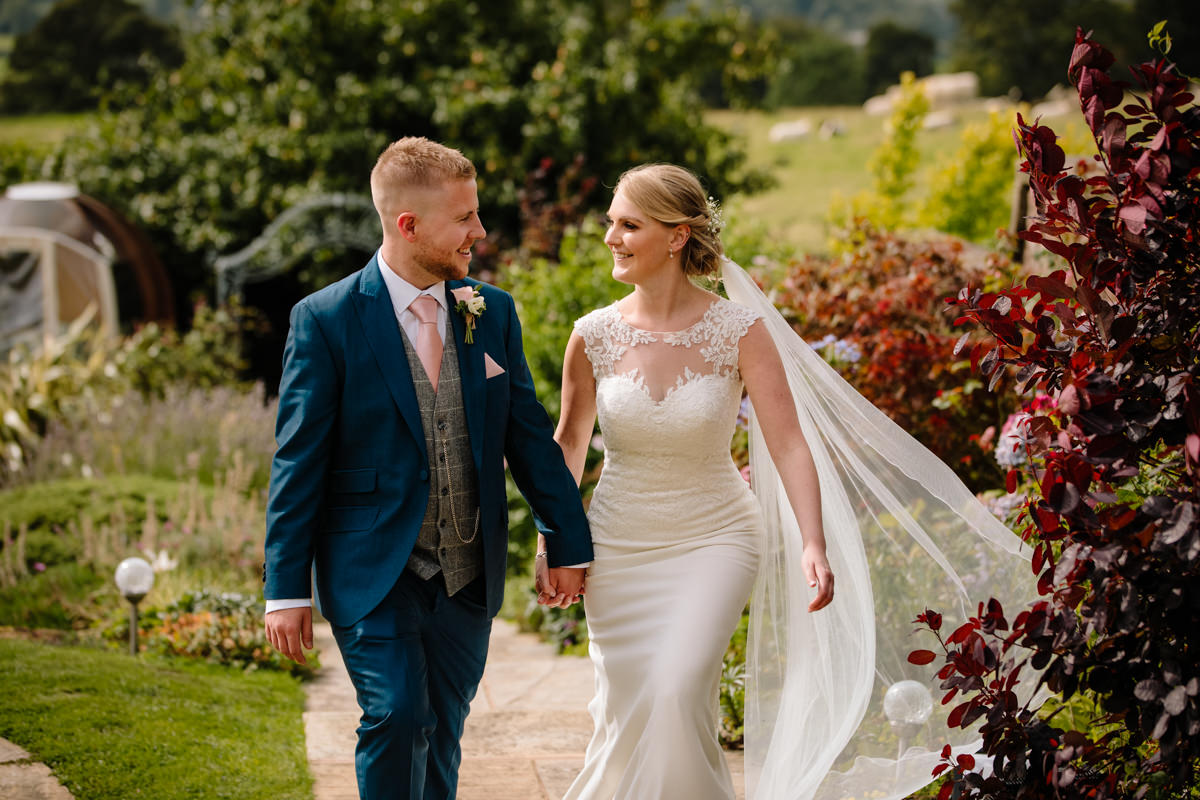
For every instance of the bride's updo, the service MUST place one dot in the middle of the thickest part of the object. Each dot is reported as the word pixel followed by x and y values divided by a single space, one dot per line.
pixel 673 196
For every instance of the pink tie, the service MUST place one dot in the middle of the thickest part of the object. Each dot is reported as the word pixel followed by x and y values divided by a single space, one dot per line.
pixel 429 342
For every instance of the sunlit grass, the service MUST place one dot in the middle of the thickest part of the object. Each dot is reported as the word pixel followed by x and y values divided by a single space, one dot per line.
pixel 113 727
pixel 812 170
pixel 40 131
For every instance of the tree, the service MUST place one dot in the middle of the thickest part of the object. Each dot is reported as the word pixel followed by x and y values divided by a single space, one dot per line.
pixel 1112 467
pixel 279 101
pixel 18 16
pixel 811 66
pixel 83 49
pixel 1016 44
pixel 892 50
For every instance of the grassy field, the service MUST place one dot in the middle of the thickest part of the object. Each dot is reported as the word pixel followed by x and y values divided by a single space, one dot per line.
pixel 813 170
pixel 40 130
pixel 113 727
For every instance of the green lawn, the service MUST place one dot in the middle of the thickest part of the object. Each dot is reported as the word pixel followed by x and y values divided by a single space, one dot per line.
pixel 113 727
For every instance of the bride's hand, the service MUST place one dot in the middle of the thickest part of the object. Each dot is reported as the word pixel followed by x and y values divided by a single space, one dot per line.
pixel 819 575
pixel 547 593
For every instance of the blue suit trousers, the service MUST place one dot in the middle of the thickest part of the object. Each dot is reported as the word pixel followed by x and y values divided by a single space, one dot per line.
pixel 416 661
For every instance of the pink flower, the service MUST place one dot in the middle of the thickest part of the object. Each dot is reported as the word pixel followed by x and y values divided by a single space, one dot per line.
pixel 39 566
pixel 470 304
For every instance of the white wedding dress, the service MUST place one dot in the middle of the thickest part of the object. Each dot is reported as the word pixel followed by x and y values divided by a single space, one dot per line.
pixel 676 532
pixel 834 710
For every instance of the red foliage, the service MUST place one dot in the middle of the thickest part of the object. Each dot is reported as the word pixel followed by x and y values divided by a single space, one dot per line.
pixel 885 299
pixel 1115 523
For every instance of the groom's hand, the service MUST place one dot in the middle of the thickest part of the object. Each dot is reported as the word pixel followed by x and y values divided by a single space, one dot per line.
pixel 560 586
pixel 290 628
pixel 566 585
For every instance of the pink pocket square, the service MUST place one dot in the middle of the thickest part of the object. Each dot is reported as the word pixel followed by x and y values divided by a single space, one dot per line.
pixel 490 368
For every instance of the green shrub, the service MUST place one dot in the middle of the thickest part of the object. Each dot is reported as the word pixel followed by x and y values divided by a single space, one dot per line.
pixel 49 71
pixel 62 596
pixel 893 166
pixel 551 295
pixel 78 375
pixel 971 194
pixel 223 628
pixel 178 525
pixel 58 515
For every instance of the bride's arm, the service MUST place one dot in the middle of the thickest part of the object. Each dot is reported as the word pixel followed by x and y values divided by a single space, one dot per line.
pixel 575 424
pixel 578 417
pixel 766 383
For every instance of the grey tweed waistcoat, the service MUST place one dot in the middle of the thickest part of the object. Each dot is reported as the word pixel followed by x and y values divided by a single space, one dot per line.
pixel 449 538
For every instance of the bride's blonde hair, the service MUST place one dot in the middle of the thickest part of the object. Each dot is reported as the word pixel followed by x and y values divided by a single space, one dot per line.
pixel 673 196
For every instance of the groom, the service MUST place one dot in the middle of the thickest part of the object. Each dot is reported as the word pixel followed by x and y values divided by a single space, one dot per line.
pixel 404 392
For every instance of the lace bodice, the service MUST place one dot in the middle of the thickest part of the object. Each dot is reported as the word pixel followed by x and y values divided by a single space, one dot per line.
pixel 661 362
pixel 667 404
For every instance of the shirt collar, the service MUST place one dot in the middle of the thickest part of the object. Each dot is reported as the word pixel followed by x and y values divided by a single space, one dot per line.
pixel 402 292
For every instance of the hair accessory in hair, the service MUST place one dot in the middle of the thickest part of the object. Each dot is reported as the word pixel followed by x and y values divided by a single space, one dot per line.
pixel 715 223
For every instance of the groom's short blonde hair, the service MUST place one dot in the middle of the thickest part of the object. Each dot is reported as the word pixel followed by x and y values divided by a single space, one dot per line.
pixel 415 162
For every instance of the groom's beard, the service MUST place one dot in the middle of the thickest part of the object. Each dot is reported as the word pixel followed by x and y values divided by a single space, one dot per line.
pixel 442 267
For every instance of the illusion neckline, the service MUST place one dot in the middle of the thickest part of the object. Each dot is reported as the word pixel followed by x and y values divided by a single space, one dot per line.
pixel 704 316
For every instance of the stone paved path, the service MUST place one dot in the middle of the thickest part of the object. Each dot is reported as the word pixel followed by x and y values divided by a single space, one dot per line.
pixel 524 739
pixel 22 778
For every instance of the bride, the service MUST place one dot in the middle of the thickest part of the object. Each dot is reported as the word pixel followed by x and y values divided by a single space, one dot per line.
pixel 680 539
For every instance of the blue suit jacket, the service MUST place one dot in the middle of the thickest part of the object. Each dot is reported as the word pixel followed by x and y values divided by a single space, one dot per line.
pixel 350 477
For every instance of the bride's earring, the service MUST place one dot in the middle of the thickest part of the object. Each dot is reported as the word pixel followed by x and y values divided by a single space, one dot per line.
pixel 670 253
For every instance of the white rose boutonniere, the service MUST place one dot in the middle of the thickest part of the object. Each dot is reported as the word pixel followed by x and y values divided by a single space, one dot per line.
pixel 470 305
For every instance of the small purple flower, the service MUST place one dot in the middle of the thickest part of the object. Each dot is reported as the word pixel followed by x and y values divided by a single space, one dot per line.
pixel 39 566
pixel 743 417
pixel 823 342
pixel 845 350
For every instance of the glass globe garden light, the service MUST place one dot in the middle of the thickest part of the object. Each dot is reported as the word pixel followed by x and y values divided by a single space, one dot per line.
pixel 907 705
pixel 135 579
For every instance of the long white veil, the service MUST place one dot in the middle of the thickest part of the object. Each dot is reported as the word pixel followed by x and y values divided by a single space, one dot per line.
pixel 903 534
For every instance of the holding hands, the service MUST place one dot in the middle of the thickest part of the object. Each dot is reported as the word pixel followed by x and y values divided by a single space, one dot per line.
pixel 559 587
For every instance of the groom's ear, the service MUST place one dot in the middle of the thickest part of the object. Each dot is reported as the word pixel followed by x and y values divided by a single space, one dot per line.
pixel 406 224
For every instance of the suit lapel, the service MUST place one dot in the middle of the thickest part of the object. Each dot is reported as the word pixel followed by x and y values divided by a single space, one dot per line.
pixel 470 366
pixel 383 336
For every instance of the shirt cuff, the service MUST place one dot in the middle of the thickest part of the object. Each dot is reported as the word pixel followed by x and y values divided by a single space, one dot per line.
pixel 280 605
pixel 576 566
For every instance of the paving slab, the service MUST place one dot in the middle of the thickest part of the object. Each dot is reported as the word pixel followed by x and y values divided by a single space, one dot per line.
pixel 11 752
pixel 525 736
pixel 21 778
